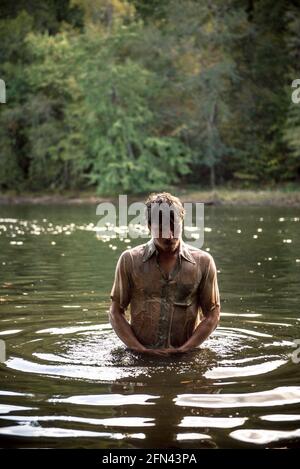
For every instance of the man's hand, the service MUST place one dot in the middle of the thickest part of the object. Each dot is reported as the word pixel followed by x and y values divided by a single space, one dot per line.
pixel 178 350
pixel 151 351
pixel 162 352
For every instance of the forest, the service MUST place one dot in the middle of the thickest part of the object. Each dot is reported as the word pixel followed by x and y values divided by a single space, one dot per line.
pixel 142 95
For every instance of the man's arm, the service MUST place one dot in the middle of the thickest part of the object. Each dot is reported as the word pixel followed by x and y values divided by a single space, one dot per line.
pixel 203 331
pixel 121 297
pixel 122 327
pixel 125 333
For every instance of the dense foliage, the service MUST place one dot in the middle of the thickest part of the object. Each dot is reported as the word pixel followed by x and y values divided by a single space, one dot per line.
pixel 141 95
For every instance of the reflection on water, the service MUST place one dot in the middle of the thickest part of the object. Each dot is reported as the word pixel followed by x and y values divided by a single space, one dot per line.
pixel 273 397
pixel 27 430
pixel 263 437
pixel 67 379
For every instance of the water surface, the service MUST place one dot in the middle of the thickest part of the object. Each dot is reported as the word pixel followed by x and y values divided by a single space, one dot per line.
pixel 68 381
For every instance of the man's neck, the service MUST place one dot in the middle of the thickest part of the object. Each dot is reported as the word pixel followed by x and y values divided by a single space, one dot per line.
pixel 167 254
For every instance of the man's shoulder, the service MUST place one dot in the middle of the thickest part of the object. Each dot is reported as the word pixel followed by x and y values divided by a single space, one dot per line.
pixel 199 255
pixel 135 252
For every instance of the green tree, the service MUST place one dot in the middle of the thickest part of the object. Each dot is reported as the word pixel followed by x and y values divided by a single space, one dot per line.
pixel 109 134
pixel 292 125
pixel 205 74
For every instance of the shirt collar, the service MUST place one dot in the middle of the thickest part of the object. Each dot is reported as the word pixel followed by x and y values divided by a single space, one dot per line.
pixel 184 251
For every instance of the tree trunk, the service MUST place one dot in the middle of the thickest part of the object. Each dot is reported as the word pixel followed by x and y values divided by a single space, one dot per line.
pixel 212 177
pixel 211 125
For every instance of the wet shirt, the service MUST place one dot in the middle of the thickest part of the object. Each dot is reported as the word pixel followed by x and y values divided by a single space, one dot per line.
pixel 164 310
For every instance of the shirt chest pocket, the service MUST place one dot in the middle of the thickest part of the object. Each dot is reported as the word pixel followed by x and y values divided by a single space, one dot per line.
pixel 184 294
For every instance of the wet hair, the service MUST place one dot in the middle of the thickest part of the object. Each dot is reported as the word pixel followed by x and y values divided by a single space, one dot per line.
pixel 164 198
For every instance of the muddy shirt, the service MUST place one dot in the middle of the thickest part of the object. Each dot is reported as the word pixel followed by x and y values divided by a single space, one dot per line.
pixel 164 310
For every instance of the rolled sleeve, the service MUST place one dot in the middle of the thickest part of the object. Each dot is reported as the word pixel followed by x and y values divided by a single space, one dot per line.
pixel 121 290
pixel 209 296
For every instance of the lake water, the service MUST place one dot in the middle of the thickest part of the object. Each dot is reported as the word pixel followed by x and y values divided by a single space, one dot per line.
pixel 67 380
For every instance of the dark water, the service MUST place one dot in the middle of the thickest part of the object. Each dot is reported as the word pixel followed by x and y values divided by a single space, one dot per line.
pixel 69 382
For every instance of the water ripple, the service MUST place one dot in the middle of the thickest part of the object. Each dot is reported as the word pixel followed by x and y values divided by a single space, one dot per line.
pixel 100 373
pixel 262 437
pixel 52 432
pixel 212 422
pixel 251 370
pixel 278 396
pixel 107 399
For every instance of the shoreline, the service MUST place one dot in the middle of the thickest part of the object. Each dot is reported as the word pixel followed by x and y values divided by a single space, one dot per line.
pixel 218 197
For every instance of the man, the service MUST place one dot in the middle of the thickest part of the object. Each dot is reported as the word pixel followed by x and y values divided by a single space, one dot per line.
pixel 166 283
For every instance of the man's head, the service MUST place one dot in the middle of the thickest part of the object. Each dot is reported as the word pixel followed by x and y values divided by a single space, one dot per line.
pixel 165 214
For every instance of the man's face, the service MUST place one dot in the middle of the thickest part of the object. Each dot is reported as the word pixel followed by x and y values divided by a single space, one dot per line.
pixel 167 239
